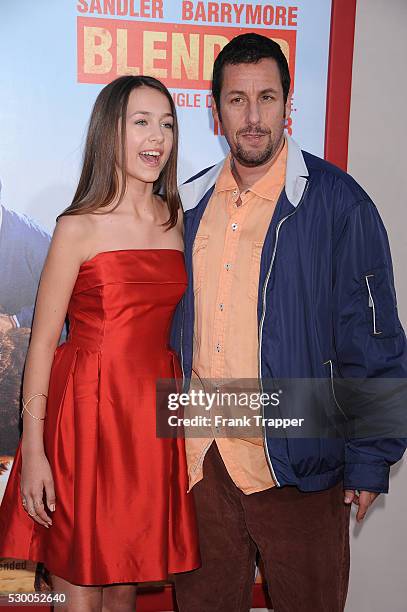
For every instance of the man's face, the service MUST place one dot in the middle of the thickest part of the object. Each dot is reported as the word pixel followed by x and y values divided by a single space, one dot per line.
pixel 252 111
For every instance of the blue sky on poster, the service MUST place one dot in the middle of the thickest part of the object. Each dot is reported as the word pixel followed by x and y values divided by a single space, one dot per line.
pixel 44 111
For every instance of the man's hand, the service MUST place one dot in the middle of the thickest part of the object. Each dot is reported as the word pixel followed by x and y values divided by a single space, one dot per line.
pixel 364 500
pixel 6 323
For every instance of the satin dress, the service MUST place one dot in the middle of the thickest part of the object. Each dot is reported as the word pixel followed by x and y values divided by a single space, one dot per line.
pixel 123 513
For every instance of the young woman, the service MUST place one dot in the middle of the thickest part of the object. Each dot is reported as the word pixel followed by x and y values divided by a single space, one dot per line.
pixel 93 493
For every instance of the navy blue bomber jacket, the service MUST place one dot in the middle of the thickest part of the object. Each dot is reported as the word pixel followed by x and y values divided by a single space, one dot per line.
pixel 314 311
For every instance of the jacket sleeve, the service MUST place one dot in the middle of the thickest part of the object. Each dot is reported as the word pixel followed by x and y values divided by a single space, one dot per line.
pixel 25 316
pixel 35 243
pixel 369 339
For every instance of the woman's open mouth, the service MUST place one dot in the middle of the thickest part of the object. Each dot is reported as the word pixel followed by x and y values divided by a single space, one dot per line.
pixel 151 158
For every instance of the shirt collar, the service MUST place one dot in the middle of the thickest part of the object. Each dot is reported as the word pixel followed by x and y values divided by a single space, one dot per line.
pixel 267 187
pixel 296 178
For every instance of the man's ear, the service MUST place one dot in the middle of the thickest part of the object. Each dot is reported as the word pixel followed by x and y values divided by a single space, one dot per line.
pixel 215 112
pixel 287 108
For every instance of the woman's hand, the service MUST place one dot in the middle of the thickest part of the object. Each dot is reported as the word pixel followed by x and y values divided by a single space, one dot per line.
pixel 36 476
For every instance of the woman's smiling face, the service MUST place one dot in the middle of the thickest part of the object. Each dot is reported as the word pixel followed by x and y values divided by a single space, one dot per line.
pixel 149 134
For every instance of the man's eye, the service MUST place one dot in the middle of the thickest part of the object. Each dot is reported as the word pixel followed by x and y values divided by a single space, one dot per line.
pixel 267 97
pixel 236 100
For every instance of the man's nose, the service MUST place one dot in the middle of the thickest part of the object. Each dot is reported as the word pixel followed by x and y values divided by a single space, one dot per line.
pixel 253 113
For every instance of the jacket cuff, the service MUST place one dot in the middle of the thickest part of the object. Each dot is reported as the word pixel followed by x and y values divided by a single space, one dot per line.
pixel 25 316
pixel 367 477
pixel 16 321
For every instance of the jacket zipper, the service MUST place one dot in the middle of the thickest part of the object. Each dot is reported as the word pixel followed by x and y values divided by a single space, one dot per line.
pixel 372 304
pixel 280 223
pixel 333 387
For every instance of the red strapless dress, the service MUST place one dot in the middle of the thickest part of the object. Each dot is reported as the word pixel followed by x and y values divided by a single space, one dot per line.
pixel 122 511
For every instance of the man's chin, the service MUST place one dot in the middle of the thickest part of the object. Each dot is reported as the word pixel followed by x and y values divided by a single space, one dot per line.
pixel 250 160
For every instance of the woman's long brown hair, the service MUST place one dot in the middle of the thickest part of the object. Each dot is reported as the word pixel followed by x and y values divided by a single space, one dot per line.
pixel 98 184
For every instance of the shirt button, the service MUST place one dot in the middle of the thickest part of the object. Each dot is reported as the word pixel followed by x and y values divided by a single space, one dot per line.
pixel 228 266
pixel 218 347
pixel 234 226
pixel 235 192
pixel 221 306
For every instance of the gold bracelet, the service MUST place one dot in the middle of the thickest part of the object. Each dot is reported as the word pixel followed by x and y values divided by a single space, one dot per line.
pixel 25 404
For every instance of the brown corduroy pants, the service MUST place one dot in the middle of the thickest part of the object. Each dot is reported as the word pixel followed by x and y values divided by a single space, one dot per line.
pixel 303 540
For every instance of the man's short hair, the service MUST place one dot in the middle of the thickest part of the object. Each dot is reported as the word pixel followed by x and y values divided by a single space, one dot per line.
pixel 249 48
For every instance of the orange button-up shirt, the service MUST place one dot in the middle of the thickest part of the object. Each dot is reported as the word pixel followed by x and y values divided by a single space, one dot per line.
pixel 226 265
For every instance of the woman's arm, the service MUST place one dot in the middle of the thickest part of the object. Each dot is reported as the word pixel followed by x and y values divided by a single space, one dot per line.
pixel 65 255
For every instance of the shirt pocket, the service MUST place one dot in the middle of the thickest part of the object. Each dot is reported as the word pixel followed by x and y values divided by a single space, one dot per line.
pixel 380 303
pixel 255 270
pixel 199 258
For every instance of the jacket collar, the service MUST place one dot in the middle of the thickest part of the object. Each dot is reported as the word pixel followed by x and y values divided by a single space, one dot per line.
pixel 296 172
pixel 191 193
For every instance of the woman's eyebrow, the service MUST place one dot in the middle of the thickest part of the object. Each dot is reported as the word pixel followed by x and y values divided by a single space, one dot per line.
pixel 140 112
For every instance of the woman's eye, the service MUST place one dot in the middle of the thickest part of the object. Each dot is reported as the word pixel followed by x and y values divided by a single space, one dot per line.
pixel 140 122
pixel 168 125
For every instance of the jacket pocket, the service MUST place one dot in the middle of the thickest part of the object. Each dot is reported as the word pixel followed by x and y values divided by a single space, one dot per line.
pixel 255 270
pixel 335 411
pixel 315 456
pixel 199 257
pixel 380 303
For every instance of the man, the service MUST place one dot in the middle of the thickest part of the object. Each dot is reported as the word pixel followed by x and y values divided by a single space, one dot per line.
pixel 13 347
pixel 23 249
pixel 289 268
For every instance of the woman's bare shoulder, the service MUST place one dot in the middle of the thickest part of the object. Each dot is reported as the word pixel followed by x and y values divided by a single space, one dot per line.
pixel 73 226
pixel 73 235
